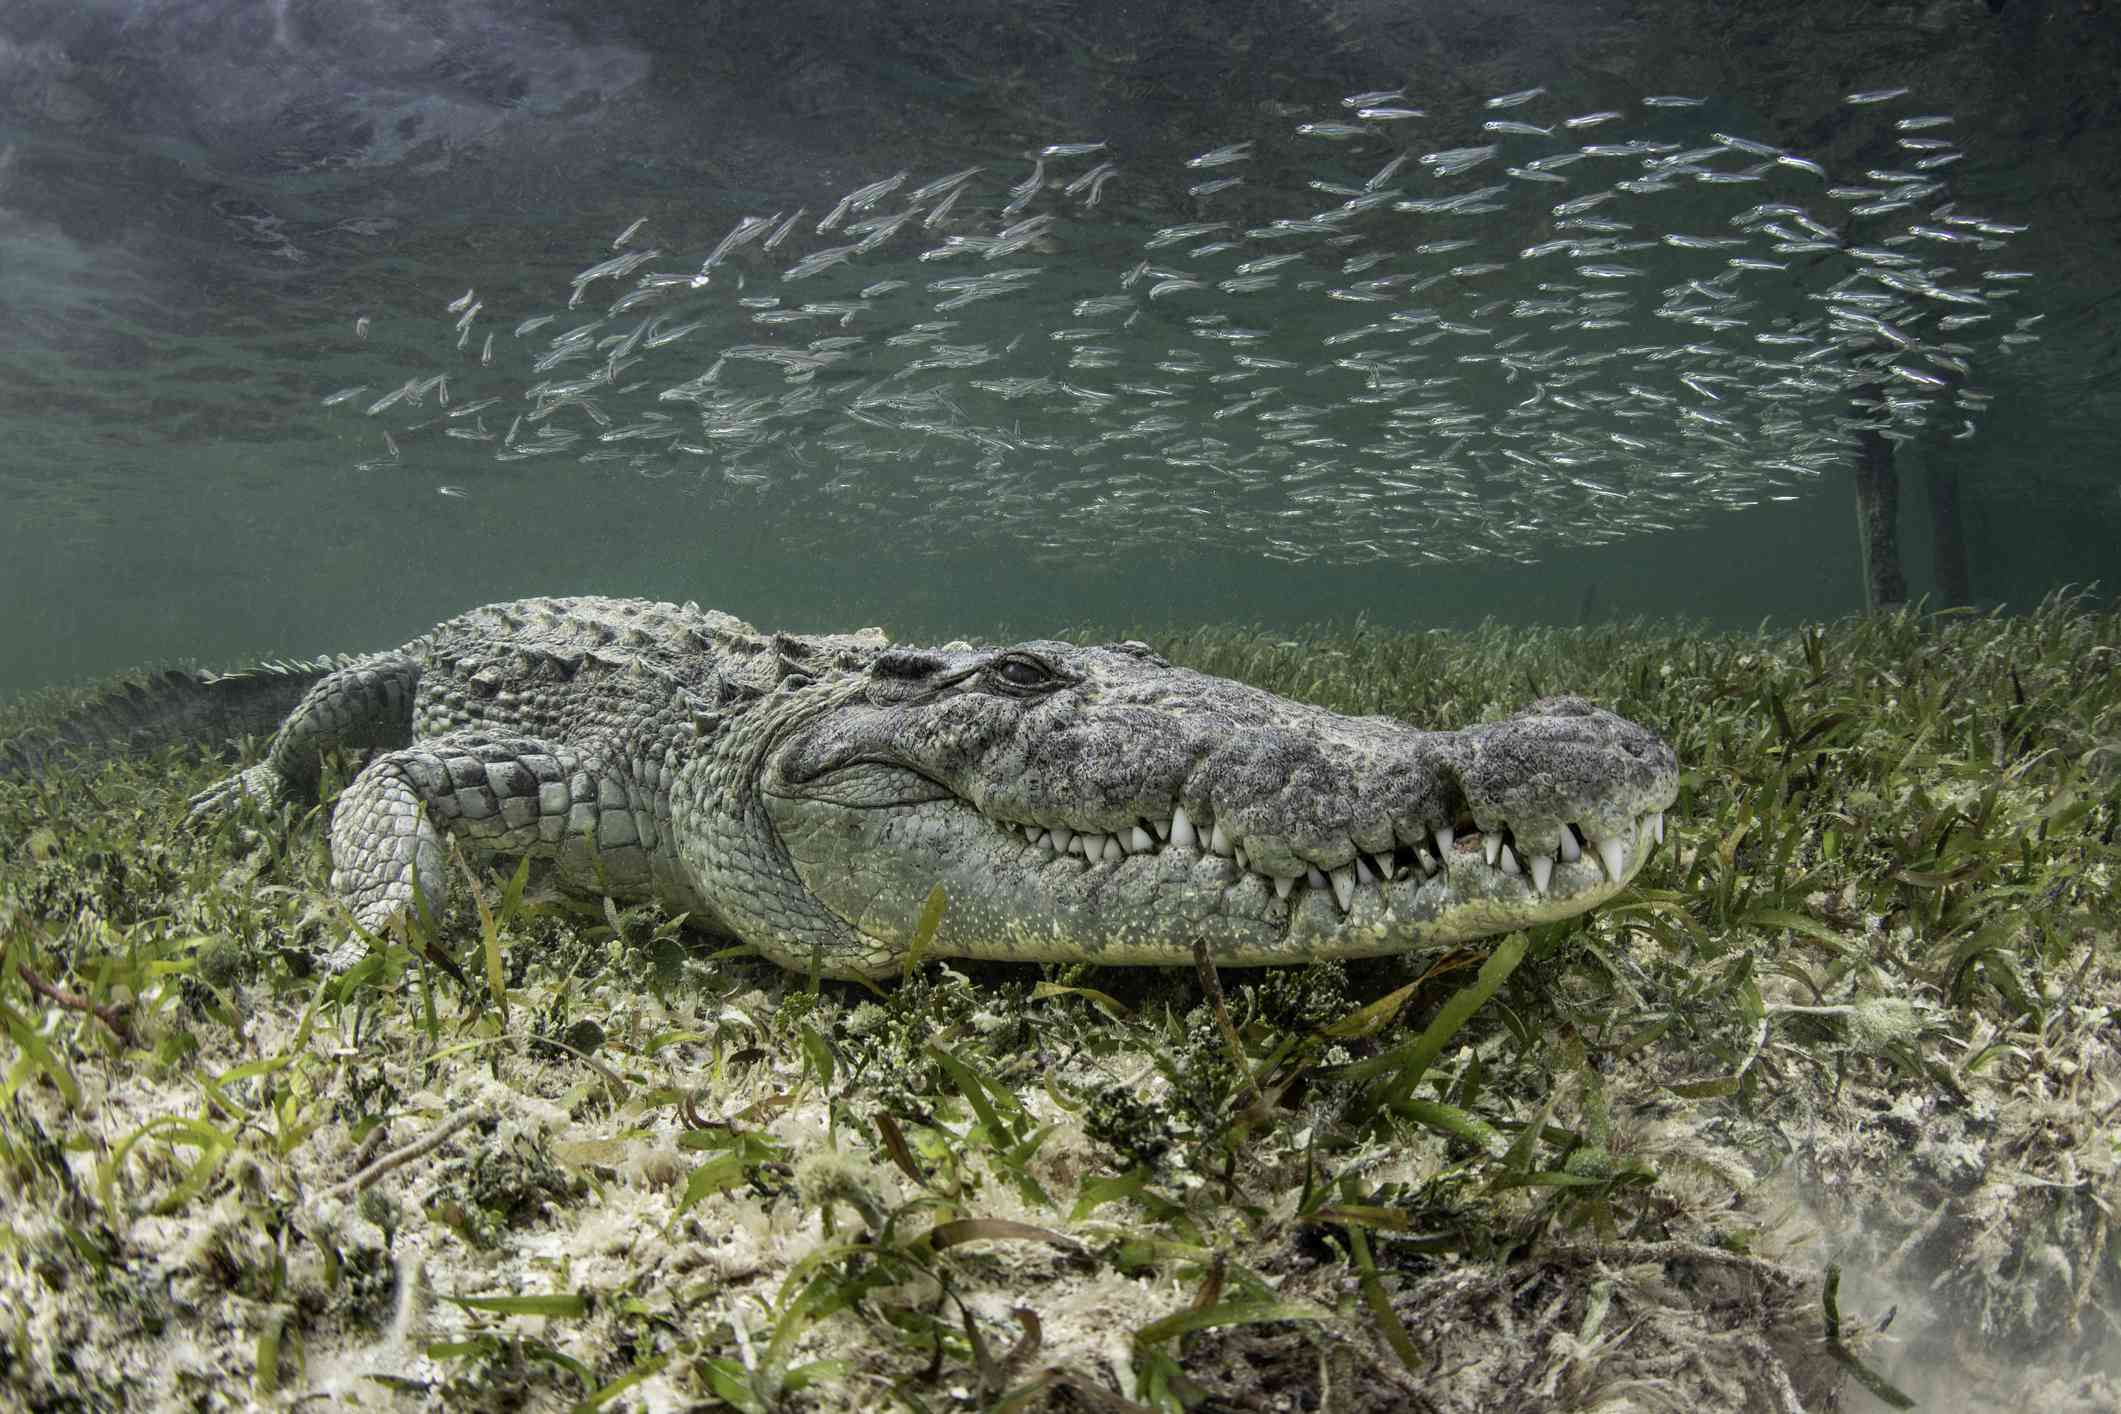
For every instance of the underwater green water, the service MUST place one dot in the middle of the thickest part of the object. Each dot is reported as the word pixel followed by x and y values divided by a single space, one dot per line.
pixel 966 324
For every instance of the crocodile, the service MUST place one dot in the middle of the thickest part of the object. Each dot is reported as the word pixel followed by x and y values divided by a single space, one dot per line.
pixel 807 793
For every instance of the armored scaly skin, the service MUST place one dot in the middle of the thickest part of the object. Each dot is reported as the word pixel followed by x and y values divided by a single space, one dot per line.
pixel 806 793
pixel 143 712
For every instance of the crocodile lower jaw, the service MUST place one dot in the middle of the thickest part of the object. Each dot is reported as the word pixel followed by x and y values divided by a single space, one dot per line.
pixel 1153 907
pixel 1009 897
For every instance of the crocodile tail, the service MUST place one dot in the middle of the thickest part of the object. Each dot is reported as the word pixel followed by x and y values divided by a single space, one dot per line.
pixel 145 712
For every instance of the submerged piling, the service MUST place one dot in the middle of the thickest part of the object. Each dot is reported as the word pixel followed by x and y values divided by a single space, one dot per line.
pixel 1878 517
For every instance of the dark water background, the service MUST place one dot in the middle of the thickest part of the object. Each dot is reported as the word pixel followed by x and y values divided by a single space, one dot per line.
pixel 198 199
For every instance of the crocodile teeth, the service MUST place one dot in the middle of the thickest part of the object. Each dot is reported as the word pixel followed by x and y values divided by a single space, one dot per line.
pixel 1182 831
pixel 1364 868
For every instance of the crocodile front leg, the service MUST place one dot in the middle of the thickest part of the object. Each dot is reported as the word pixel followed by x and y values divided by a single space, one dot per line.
pixel 499 795
pixel 360 707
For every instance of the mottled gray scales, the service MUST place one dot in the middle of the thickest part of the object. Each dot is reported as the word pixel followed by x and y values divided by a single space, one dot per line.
pixel 806 793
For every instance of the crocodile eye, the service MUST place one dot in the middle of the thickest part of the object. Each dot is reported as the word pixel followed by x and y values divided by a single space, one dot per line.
pixel 1020 672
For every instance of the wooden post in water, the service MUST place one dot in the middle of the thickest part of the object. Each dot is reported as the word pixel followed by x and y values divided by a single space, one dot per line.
pixel 1947 532
pixel 1878 513
pixel 1940 475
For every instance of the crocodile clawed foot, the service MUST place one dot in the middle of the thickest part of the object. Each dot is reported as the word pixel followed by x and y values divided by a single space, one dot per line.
pixel 342 956
pixel 260 783
pixel 383 923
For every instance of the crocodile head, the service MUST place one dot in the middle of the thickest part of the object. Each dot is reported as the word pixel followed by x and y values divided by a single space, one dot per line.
pixel 1098 803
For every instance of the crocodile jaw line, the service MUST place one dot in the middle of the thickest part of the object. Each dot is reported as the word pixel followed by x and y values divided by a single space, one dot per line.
pixel 1021 893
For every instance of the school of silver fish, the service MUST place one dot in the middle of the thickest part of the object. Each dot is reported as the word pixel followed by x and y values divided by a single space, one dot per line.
pixel 1384 335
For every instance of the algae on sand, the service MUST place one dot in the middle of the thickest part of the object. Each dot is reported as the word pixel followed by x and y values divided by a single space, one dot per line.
pixel 1860 1008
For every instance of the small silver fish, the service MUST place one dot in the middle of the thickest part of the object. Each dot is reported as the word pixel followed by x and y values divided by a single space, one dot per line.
pixel 1021 194
pixel 1375 460
pixel 773 241
pixel 1453 160
pixel 940 214
pixel 860 199
pixel 941 185
pixel 1582 203
pixel 1172 235
pixel 1223 156
pixel 1747 145
pixel 392 398
pixel 1514 100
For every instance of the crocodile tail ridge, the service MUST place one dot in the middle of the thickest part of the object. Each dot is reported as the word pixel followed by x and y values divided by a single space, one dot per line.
pixel 144 712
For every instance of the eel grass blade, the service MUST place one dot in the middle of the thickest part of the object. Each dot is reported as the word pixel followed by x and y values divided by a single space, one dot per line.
pixel 1830 1300
pixel 924 931
pixel 1394 1074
